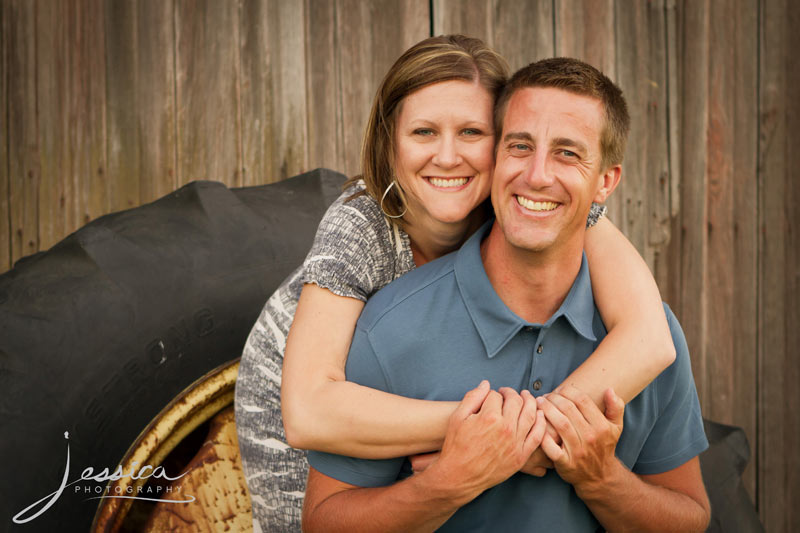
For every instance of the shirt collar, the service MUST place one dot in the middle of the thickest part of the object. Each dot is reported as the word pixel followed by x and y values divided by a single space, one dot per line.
pixel 495 322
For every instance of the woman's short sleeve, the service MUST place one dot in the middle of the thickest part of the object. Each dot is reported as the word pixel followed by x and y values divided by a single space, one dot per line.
pixel 348 249
pixel 596 212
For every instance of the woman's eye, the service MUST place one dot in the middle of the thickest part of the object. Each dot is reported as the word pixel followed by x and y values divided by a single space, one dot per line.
pixel 471 131
pixel 423 131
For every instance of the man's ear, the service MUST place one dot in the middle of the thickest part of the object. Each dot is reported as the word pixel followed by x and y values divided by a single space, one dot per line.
pixel 608 182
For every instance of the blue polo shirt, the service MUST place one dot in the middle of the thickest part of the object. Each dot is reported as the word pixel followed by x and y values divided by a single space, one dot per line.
pixel 436 332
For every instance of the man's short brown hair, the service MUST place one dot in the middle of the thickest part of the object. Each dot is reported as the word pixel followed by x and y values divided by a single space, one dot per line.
pixel 577 77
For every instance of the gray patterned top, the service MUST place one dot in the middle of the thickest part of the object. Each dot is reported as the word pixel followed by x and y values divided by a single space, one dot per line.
pixel 356 252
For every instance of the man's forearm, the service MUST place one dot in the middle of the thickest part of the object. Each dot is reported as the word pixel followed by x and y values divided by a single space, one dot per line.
pixel 629 503
pixel 419 503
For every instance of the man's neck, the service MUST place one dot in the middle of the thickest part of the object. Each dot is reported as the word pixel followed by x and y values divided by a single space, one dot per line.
pixel 532 284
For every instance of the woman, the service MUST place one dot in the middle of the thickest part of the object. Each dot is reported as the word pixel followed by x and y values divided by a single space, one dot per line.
pixel 427 163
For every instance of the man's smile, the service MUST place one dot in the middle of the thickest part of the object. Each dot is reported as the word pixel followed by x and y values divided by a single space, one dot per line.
pixel 533 205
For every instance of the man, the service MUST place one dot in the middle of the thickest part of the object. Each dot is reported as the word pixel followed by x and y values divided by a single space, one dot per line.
pixel 514 305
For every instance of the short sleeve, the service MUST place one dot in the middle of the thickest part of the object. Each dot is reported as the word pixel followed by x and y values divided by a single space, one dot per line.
pixel 362 368
pixel 345 250
pixel 678 433
pixel 596 212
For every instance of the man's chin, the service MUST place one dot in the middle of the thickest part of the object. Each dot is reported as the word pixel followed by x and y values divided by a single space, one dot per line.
pixel 534 243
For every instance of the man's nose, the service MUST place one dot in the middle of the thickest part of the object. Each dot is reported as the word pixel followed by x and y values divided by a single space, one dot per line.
pixel 538 175
pixel 447 154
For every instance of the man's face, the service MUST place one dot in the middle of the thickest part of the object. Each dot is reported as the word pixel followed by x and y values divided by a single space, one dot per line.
pixel 549 167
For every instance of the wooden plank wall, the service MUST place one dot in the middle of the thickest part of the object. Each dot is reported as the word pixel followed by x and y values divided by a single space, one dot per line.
pixel 108 104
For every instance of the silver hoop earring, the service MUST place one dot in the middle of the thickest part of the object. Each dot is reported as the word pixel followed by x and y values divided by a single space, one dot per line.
pixel 387 215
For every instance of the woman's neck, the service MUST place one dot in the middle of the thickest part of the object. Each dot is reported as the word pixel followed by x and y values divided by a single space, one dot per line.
pixel 436 239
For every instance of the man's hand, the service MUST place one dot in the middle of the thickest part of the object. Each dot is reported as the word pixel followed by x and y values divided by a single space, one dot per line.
pixel 538 462
pixel 589 437
pixel 490 437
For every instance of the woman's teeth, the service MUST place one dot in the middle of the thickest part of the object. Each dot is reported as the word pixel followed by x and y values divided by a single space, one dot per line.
pixel 448 182
pixel 536 206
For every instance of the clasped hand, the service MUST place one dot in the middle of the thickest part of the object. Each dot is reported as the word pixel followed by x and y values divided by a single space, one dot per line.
pixel 586 454
pixel 490 436
pixel 579 442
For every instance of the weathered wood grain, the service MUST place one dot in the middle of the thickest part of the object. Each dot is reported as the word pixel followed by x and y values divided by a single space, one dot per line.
pixel 23 137
pixel 70 107
pixel 207 81
pixel 692 309
pixel 643 194
pixel 5 213
pixel 471 17
pixel 140 67
pixel 779 290
pixel 323 86
pixel 523 32
pixel 732 379
pixel 273 90
pixel 666 265
pixel 584 29
pixel 371 36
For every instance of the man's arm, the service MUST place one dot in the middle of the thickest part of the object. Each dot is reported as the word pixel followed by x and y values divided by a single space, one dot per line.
pixel 489 437
pixel 672 501
pixel 675 500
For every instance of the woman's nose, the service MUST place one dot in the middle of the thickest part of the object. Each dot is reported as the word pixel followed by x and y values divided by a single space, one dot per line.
pixel 447 154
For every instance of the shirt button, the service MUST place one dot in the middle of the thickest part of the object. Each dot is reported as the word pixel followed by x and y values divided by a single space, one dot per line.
pixel 537 384
pixel 539 349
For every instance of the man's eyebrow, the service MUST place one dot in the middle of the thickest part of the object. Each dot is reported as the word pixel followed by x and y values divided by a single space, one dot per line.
pixel 518 136
pixel 570 143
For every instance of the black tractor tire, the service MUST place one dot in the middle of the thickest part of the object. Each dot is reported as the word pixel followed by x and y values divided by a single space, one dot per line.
pixel 100 332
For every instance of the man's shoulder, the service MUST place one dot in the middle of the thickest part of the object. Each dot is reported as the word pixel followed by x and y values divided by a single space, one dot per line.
pixel 403 296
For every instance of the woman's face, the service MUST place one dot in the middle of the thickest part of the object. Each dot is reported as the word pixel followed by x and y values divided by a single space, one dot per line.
pixel 444 151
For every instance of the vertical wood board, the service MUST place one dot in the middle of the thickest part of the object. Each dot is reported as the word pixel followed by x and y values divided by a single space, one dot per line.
pixel 52 119
pixel 273 90
pixel 471 17
pixel 692 308
pixel 70 94
pixel 5 188
pixel 584 29
pixel 368 46
pixel 779 335
pixel 643 195
pixel 140 56
pixel 207 78
pixel 732 217
pixel 523 32
pixel 23 143
pixel 323 87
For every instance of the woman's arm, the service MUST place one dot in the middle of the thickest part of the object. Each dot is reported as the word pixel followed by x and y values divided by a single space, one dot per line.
pixel 318 404
pixel 638 346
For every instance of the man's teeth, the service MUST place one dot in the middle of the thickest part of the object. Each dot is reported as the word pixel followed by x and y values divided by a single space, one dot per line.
pixel 536 206
pixel 449 182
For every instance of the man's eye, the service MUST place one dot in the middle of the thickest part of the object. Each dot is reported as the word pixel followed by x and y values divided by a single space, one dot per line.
pixel 519 147
pixel 568 153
